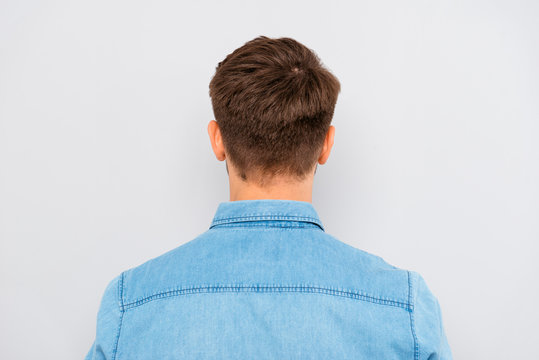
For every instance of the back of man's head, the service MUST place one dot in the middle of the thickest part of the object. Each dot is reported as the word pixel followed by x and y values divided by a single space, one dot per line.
pixel 273 101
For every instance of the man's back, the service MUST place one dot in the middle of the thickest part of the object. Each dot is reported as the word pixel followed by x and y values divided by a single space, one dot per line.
pixel 266 281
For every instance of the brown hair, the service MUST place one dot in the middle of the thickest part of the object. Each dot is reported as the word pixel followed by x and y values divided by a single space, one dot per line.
pixel 273 101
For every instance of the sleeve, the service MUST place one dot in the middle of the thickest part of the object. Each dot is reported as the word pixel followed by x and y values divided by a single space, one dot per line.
pixel 109 320
pixel 427 324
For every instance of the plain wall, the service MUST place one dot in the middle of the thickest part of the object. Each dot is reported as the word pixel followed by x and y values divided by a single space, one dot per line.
pixel 105 160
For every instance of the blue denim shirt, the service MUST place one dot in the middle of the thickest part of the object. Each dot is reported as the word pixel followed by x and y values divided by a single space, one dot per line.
pixel 266 281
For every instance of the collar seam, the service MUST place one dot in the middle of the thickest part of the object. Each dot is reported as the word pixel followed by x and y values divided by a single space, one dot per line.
pixel 232 225
pixel 265 217
pixel 240 219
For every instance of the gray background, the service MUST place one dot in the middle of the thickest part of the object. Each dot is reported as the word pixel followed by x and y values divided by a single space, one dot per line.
pixel 105 161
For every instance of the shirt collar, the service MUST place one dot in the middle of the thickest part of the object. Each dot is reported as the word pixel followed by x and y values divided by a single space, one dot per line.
pixel 241 211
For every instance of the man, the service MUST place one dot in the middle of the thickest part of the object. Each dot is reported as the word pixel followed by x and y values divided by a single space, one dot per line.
pixel 265 281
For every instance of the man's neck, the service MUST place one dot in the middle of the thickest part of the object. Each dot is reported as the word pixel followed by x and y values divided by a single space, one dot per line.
pixel 279 189
pixel 283 194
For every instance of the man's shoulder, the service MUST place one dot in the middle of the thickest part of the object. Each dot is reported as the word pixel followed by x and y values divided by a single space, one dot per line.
pixel 325 262
pixel 365 259
pixel 370 273
pixel 168 272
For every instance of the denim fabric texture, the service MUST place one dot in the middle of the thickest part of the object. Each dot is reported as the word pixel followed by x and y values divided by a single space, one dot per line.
pixel 266 281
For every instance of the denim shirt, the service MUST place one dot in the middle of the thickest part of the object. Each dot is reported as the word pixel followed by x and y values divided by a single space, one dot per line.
pixel 266 281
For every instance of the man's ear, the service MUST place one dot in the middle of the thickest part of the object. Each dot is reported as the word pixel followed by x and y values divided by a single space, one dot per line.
pixel 328 144
pixel 216 140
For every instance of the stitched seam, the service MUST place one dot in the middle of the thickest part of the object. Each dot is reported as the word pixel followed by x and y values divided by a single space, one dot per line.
pixel 122 310
pixel 266 288
pixel 264 228
pixel 311 225
pixel 256 227
pixel 257 217
pixel 264 217
pixel 412 322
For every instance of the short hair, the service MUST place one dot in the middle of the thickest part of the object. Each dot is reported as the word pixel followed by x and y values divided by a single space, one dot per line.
pixel 273 100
